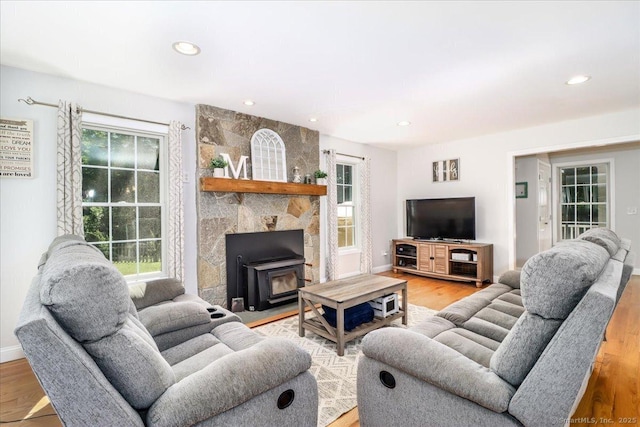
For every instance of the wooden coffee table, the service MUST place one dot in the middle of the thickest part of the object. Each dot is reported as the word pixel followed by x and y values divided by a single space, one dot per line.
pixel 343 294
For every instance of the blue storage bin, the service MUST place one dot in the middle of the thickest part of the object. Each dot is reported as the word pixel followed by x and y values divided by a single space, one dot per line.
pixel 353 316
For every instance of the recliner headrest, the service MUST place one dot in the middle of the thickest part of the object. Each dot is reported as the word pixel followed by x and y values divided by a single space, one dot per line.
pixel 603 237
pixel 85 293
pixel 553 282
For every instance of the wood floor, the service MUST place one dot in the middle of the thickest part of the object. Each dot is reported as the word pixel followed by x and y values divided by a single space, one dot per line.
pixel 612 396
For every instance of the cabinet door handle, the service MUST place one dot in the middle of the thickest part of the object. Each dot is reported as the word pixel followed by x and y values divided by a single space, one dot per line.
pixel 431 257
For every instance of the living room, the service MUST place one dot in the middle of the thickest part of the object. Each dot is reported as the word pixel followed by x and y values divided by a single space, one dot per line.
pixel 400 158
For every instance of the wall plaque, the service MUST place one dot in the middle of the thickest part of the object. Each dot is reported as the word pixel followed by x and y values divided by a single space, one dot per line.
pixel 446 170
pixel 16 148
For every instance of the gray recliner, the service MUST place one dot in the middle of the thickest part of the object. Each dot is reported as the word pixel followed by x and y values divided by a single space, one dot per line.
pixel 100 366
pixel 516 353
pixel 172 316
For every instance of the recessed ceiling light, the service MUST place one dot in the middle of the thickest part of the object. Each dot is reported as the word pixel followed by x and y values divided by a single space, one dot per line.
pixel 404 123
pixel 249 102
pixel 186 48
pixel 578 79
pixel 313 119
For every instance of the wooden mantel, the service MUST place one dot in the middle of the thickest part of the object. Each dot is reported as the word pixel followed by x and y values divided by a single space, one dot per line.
pixel 228 185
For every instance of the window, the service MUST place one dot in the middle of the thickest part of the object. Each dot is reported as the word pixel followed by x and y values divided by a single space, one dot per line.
pixel 123 198
pixel 347 221
pixel 584 198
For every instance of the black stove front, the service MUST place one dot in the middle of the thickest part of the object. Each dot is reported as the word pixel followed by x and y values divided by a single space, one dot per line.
pixel 264 269
pixel 273 282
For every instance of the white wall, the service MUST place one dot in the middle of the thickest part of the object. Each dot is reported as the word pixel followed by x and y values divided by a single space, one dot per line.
pixel 383 202
pixel 486 170
pixel 28 206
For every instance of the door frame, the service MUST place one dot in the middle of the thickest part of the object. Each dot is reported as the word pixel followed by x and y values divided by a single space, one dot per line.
pixel 611 197
pixel 550 200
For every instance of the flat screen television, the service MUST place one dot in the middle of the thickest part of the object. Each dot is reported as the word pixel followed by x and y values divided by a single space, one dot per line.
pixel 442 219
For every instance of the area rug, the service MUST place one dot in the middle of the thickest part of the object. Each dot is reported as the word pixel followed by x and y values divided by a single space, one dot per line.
pixel 336 376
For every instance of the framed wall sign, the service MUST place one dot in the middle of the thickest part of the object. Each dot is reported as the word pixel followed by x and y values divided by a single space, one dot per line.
pixel 446 170
pixel 16 148
pixel 521 190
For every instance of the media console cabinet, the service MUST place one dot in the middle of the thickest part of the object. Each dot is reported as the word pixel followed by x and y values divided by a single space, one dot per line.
pixel 468 262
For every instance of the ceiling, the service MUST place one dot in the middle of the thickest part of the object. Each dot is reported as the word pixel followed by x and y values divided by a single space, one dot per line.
pixel 453 69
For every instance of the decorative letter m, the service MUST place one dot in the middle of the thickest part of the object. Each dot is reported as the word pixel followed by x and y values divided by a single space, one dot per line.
pixel 242 166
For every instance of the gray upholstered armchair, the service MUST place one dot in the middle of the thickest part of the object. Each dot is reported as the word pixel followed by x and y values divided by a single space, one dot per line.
pixel 99 364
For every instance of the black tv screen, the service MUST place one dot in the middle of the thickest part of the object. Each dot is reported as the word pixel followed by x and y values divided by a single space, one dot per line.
pixel 450 218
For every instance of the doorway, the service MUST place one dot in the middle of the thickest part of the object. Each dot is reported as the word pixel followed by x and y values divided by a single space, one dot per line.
pixel 623 213
pixel 533 206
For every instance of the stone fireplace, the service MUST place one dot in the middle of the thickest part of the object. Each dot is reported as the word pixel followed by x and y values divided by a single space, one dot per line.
pixel 222 213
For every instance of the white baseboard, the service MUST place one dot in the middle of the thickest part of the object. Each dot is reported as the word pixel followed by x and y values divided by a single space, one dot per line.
pixel 380 269
pixel 7 354
pixel 636 271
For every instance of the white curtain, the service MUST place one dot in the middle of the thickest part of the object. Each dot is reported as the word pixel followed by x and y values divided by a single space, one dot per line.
pixel 332 217
pixel 175 237
pixel 69 169
pixel 366 262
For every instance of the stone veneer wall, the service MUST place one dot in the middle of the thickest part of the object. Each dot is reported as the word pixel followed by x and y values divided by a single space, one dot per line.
pixel 223 131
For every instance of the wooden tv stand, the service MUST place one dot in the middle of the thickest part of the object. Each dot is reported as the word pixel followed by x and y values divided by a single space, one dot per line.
pixel 468 262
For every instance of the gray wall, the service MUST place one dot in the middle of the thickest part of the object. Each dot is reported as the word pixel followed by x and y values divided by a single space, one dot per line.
pixel 527 210
pixel 626 158
pixel 28 206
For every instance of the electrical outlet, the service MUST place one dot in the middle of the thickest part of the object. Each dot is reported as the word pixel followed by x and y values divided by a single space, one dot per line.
pixel 185 177
pixel 385 253
pixel 632 210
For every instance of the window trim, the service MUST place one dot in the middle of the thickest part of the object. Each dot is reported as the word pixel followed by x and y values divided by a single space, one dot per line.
pixel 355 193
pixel 113 124
pixel 556 186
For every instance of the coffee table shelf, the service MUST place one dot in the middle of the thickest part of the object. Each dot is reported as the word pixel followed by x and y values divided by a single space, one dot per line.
pixel 314 325
pixel 341 295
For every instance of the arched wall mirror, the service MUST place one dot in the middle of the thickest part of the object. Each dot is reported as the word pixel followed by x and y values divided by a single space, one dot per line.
pixel 268 156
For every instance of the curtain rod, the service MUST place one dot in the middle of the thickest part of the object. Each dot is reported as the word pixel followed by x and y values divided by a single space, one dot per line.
pixel 31 101
pixel 346 155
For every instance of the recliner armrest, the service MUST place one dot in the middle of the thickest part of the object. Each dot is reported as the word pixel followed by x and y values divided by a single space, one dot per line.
pixel 228 382
pixel 437 364
pixel 173 316
pixel 146 294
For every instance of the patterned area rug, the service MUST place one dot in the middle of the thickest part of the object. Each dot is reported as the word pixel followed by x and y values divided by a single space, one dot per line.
pixel 336 376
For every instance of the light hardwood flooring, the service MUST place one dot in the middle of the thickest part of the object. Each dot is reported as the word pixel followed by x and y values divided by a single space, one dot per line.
pixel 611 398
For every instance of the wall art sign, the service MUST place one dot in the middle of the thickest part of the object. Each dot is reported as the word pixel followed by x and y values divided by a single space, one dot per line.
pixel 16 148
pixel 446 170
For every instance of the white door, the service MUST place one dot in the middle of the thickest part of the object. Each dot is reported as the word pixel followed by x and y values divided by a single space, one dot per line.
pixel 544 206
